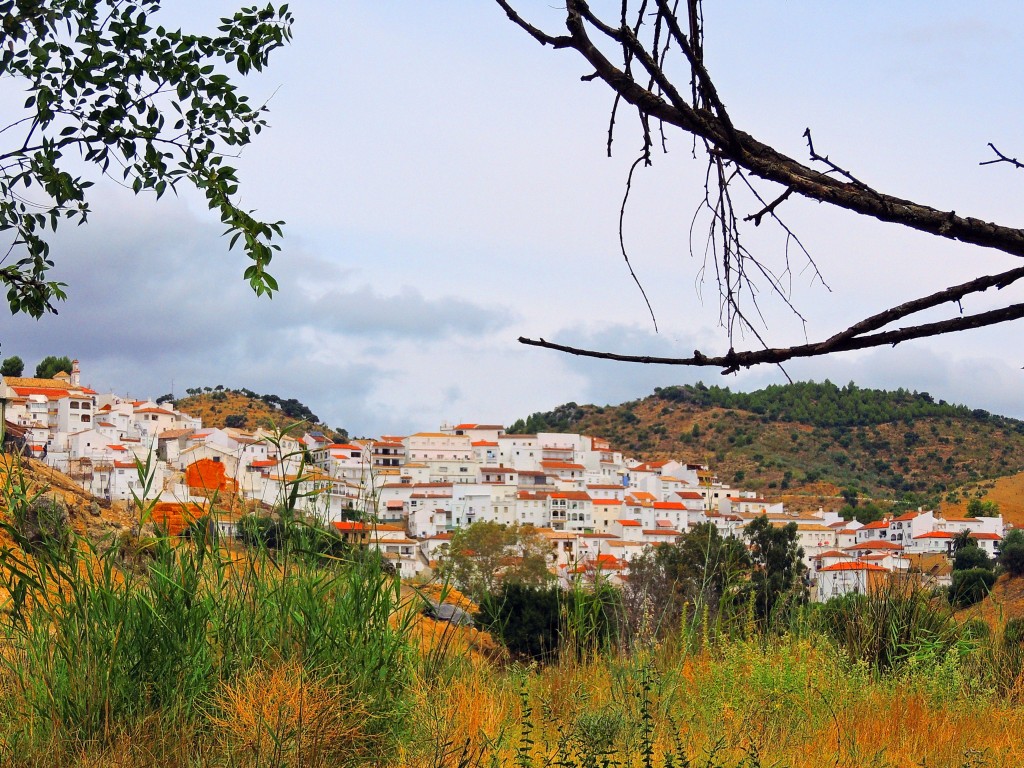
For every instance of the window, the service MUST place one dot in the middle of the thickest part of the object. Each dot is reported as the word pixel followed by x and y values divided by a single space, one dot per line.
pixel 73 404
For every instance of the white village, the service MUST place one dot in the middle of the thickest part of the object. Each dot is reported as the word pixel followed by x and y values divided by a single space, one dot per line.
pixel 405 495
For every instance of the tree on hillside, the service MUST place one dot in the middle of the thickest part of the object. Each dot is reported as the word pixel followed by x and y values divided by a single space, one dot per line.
pixel 778 564
pixel 12 366
pixel 50 366
pixel 675 581
pixel 979 508
pixel 1011 553
pixel 650 53
pixel 483 554
pixel 148 106
pixel 971 556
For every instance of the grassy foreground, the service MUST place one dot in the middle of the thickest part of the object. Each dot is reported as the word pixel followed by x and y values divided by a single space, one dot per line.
pixel 141 651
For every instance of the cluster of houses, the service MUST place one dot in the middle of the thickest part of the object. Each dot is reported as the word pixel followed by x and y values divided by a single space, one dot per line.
pixel 405 495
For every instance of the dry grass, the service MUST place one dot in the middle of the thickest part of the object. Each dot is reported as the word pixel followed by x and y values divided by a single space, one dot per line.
pixel 284 716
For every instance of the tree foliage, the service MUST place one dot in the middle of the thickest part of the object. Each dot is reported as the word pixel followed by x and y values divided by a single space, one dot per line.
pixel 971 586
pixel 51 365
pixel 979 508
pixel 971 556
pixel 702 572
pixel 538 622
pixel 12 366
pixel 484 554
pixel 150 107
pixel 1011 553
pixel 778 565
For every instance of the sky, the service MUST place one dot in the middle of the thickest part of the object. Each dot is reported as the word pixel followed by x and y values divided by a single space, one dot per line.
pixel 445 189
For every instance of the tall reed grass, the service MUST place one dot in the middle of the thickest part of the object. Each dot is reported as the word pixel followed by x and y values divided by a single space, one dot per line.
pixel 142 650
pixel 205 639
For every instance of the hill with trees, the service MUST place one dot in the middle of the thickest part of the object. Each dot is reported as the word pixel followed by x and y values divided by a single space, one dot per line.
pixel 220 406
pixel 783 439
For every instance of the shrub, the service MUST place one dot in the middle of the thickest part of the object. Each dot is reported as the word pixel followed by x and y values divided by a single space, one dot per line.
pixel 1013 634
pixel 970 586
pixel 541 622
pixel 971 557
pixel 1011 557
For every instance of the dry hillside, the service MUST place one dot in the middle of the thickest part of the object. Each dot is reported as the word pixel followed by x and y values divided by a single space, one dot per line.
pixel 893 445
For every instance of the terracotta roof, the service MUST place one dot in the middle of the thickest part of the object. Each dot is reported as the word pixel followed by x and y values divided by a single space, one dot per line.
pixel 852 566
pixel 24 381
pixel 905 517
pixel 630 523
pixel 560 465
pixel 880 544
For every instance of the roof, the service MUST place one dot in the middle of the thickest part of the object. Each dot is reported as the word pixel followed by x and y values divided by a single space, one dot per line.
pixel 880 544
pixel 852 566
pixel 876 525
pixel 24 381
pixel 349 525
pixel 628 523
pixel 48 392
pixel 560 465
pixel 906 516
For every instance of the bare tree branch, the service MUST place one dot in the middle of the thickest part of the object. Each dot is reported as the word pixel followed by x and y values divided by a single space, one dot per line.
pixel 732 361
pixel 734 153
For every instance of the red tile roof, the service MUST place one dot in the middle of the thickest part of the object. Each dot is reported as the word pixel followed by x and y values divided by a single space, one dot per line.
pixel 852 566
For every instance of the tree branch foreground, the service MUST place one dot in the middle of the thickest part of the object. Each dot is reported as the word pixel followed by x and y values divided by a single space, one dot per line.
pixel 632 55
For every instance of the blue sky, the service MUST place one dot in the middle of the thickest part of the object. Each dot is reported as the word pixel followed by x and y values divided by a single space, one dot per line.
pixel 445 189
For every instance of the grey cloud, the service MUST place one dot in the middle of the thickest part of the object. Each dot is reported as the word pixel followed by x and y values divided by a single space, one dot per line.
pixel 610 382
pixel 366 313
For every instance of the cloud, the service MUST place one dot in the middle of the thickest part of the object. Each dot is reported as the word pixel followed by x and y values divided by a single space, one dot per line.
pixel 157 302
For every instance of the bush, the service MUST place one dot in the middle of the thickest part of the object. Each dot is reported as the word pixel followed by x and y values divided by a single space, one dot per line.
pixel 541 622
pixel 1013 634
pixel 971 557
pixel 525 618
pixel 970 586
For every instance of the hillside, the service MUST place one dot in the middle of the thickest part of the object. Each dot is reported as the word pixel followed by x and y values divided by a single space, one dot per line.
pixel 808 439
pixel 247 410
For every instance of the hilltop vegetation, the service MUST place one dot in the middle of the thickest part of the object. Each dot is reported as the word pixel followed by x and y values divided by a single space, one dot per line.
pixel 901 444
pixel 244 409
